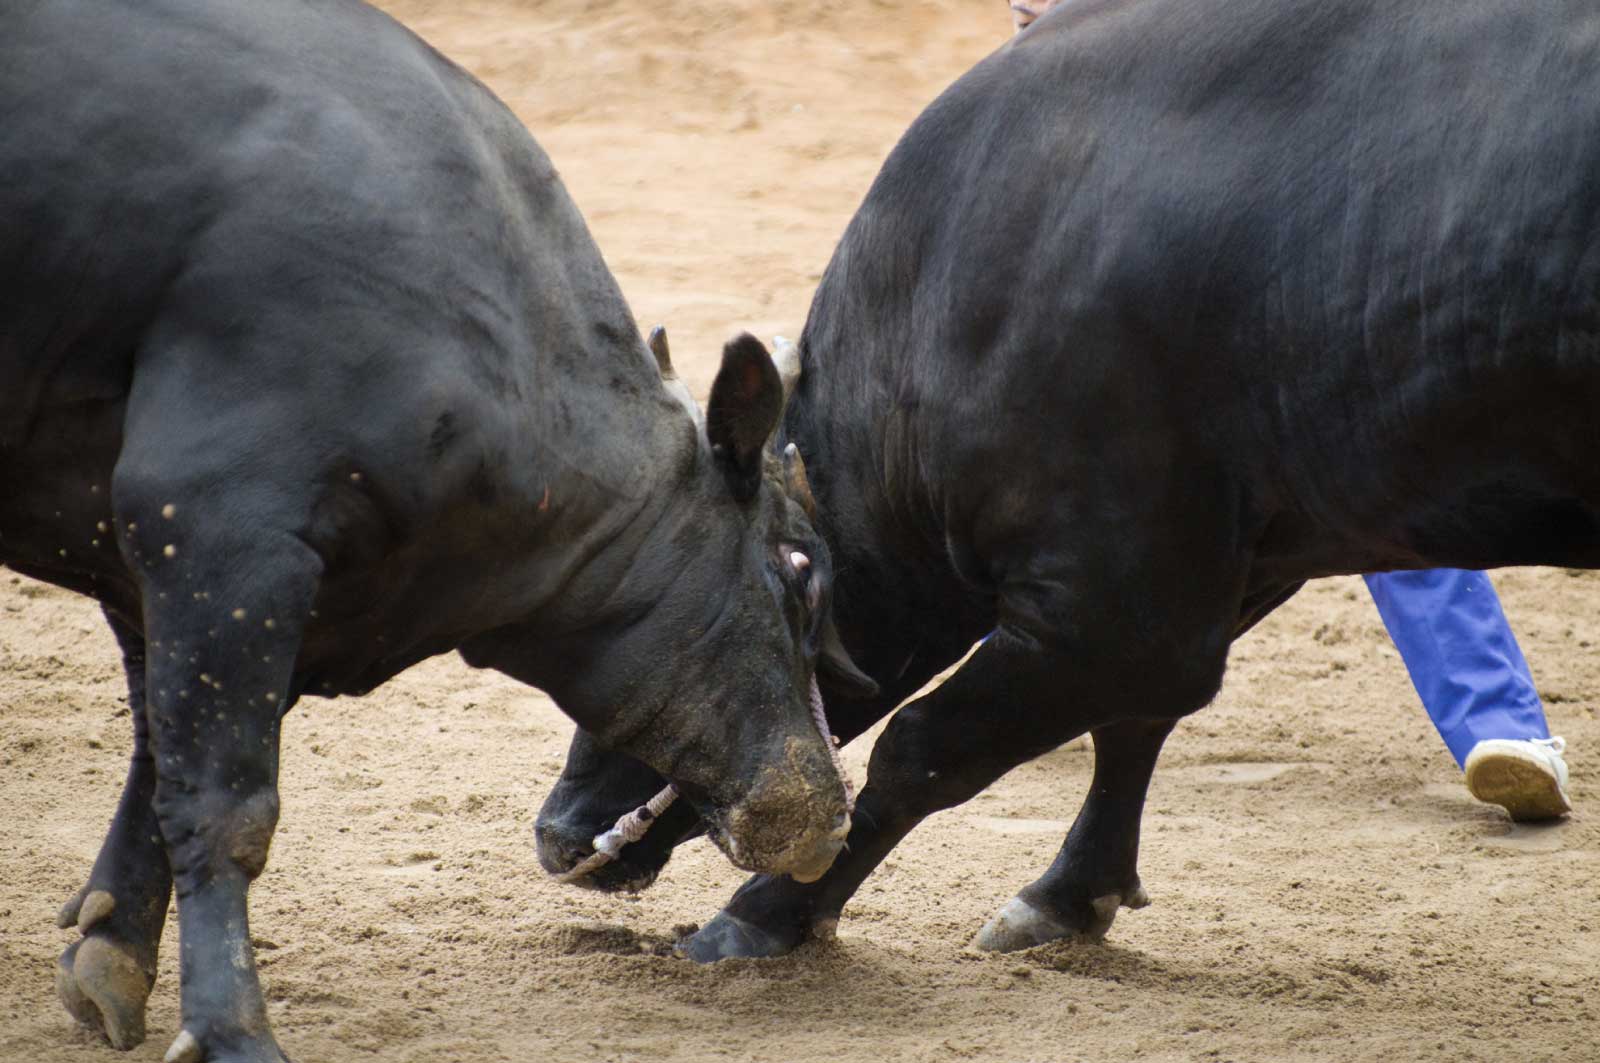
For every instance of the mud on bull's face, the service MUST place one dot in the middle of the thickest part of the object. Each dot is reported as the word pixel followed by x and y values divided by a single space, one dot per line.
pixel 758 814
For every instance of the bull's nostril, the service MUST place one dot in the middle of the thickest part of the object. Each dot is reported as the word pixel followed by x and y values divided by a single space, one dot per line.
pixel 560 851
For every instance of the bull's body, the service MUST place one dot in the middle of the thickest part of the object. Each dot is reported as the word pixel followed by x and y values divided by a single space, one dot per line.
pixel 1167 308
pixel 309 369
pixel 397 256
pixel 1158 312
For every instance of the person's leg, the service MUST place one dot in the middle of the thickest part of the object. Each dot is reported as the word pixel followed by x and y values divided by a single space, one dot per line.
pixel 1474 682
pixel 1465 663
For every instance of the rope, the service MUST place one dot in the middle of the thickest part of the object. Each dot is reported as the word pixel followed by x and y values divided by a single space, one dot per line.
pixel 633 826
pixel 629 828
pixel 820 718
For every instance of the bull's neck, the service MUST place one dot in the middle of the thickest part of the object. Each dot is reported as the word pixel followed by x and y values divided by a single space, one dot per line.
pixel 614 570
pixel 895 593
pixel 593 563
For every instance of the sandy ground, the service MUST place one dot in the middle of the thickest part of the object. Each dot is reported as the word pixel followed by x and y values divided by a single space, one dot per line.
pixel 1323 886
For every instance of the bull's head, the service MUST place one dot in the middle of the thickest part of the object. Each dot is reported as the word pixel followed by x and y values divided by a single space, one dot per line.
pixel 736 634
pixel 768 792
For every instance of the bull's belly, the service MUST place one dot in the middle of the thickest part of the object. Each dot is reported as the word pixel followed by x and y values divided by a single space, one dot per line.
pixel 56 520
pixel 1539 514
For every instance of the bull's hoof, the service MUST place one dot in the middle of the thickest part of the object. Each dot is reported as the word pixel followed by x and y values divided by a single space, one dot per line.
pixel 1021 925
pixel 729 937
pixel 68 916
pixel 187 1048
pixel 104 987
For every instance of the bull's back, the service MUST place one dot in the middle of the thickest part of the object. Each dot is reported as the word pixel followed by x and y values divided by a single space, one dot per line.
pixel 193 166
pixel 1300 237
pixel 283 248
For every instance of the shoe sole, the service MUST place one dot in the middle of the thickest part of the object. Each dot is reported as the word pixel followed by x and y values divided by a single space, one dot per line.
pixel 1524 787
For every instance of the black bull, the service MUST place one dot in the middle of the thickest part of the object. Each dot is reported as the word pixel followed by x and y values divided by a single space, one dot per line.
pixel 1161 310
pixel 309 369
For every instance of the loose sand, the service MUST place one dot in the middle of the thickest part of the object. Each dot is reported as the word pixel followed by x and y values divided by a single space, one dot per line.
pixel 1323 886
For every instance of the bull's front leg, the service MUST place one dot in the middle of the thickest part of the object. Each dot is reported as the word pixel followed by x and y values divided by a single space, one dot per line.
pixel 105 977
pixel 1096 871
pixel 999 709
pixel 224 612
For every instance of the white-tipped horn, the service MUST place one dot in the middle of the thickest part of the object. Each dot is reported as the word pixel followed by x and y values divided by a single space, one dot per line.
pixel 786 356
pixel 669 377
pixel 658 347
pixel 795 482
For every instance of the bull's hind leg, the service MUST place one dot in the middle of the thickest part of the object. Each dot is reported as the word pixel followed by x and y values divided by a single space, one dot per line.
pixel 226 597
pixel 105 977
pixel 1096 871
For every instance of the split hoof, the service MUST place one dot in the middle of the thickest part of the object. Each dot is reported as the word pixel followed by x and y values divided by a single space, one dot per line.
pixel 96 907
pixel 104 987
pixel 187 1048
pixel 1020 925
pixel 729 937
pixel 67 917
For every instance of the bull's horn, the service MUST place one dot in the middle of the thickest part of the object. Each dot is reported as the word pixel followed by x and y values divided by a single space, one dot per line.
pixel 833 660
pixel 786 356
pixel 658 347
pixel 795 482
pixel 669 377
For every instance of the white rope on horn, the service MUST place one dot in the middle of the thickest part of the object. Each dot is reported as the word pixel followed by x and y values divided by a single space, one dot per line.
pixel 630 828
pixel 633 826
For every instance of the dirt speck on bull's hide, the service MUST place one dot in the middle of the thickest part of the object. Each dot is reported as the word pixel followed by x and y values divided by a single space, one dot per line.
pixel 1322 886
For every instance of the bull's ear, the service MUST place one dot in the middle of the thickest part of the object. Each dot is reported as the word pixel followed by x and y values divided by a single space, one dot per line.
pixel 746 402
pixel 833 661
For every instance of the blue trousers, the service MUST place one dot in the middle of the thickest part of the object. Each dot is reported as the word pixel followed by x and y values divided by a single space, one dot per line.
pixel 1463 659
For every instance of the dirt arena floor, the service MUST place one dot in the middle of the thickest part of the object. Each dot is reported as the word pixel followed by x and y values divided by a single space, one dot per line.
pixel 1323 886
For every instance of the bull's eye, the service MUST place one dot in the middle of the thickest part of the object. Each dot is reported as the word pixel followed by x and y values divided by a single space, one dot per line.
pixel 800 562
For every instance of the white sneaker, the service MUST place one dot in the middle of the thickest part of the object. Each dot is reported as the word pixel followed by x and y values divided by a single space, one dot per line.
pixel 1527 776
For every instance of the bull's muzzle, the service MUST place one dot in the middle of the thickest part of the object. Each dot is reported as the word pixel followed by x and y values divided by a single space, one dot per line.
pixel 794 820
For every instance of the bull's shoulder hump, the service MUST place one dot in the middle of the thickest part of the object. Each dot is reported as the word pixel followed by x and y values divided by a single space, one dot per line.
pixel 313 169
pixel 230 106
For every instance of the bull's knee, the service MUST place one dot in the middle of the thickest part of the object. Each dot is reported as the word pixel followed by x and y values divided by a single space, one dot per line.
pixel 247 832
pixel 917 762
pixel 212 830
